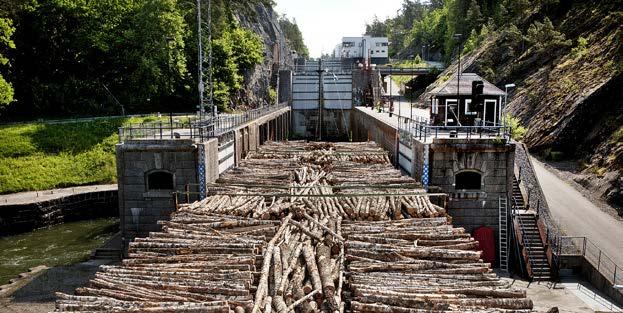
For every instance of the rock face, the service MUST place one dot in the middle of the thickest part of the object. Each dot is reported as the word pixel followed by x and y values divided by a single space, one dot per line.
pixel 568 95
pixel 276 53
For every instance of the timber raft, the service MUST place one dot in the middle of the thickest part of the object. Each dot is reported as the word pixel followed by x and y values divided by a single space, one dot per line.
pixel 304 227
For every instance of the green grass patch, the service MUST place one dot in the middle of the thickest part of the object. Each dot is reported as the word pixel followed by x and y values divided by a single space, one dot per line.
pixel 37 156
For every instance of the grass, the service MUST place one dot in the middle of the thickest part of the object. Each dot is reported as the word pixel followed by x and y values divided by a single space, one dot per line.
pixel 401 80
pixel 37 156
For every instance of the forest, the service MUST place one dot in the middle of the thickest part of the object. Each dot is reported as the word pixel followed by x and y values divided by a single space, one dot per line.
pixel 63 58
pixel 428 28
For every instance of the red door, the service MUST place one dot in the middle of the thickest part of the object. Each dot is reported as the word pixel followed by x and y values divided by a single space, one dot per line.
pixel 486 242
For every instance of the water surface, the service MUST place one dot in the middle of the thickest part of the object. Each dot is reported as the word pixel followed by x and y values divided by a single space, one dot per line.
pixel 63 244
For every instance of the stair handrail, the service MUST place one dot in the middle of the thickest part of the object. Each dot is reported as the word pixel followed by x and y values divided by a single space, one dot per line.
pixel 523 236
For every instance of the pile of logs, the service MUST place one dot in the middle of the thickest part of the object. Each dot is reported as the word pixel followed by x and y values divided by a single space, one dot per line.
pixel 421 265
pixel 303 227
pixel 198 263
pixel 351 180
pixel 305 272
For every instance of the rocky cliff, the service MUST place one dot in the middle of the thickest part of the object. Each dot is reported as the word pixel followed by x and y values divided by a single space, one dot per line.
pixel 258 82
pixel 569 88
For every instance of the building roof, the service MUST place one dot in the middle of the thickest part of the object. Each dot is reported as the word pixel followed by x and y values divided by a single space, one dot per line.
pixel 449 87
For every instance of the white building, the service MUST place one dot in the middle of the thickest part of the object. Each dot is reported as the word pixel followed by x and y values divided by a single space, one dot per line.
pixel 361 48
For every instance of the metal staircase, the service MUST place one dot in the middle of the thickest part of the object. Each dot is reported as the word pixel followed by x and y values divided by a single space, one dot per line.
pixel 518 201
pixel 537 258
pixel 534 251
pixel 503 228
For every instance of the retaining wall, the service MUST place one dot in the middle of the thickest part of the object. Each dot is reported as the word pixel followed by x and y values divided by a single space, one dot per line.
pixel 19 218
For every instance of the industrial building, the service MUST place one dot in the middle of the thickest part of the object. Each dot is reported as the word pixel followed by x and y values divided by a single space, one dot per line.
pixel 360 49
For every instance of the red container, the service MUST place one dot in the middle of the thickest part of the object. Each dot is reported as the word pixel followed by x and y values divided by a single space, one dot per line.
pixel 486 242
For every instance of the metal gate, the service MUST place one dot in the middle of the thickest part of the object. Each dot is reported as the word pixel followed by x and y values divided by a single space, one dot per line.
pixel 336 100
pixel 337 91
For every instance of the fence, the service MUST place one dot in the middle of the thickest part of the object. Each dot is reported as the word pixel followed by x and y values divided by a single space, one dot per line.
pixel 421 129
pixel 193 127
pixel 582 246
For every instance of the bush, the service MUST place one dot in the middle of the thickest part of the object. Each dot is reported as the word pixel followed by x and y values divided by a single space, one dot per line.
pixel 517 131
pixel 581 49
pixel 543 35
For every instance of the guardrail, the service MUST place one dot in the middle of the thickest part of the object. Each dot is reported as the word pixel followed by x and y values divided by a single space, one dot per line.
pixel 196 128
pixel 582 246
pixel 421 129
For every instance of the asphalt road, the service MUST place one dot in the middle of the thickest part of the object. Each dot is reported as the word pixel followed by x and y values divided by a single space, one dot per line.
pixel 578 216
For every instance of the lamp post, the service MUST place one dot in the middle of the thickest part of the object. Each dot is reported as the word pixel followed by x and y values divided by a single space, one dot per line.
pixel 506 88
pixel 389 81
pixel 458 72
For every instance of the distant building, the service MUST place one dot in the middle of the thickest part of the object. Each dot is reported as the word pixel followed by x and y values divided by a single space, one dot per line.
pixel 361 48
pixel 452 108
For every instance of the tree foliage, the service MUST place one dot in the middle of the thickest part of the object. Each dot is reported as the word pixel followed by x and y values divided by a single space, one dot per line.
pixel 84 57
pixel 6 43
pixel 543 35
pixel 294 36
pixel 430 26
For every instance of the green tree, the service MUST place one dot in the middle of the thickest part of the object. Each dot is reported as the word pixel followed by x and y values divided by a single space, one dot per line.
pixel 294 36
pixel 474 16
pixel 6 31
pixel 543 35
pixel 377 28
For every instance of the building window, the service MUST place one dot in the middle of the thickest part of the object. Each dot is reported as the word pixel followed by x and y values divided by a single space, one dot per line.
pixel 160 180
pixel 468 109
pixel 467 180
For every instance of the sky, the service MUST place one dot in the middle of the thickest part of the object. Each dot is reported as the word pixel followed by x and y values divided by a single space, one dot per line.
pixel 324 22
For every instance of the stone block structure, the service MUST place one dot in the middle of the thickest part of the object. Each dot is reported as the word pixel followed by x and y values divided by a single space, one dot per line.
pixel 475 174
pixel 155 174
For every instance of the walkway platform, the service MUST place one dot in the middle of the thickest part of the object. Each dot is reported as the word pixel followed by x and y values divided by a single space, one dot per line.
pixel 28 197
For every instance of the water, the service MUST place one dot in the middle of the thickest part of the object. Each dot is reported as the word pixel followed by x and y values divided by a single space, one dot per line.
pixel 63 244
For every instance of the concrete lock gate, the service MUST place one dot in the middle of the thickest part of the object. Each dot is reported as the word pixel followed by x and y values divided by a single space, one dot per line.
pixel 321 117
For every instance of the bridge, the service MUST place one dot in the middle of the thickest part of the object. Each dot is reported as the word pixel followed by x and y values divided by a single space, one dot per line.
pixel 409 71
pixel 322 203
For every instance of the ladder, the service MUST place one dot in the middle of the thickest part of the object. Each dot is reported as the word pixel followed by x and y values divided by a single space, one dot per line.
pixel 503 229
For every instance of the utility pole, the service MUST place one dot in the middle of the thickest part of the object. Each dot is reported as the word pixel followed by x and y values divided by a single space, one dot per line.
pixel 201 84
pixel 411 87
pixel 320 99
pixel 210 85
pixel 458 77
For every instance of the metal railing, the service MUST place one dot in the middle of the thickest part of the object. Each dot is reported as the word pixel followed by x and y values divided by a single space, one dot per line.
pixel 522 230
pixel 582 246
pixel 193 127
pixel 421 129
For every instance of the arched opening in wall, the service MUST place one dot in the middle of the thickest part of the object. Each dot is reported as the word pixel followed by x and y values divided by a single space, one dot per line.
pixel 160 180
pixel 467 180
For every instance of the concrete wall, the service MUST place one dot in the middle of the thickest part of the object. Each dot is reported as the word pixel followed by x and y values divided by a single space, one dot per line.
pixel 581 266
pixel 494 160
pixel 335 124
pixel 19 218
pixel 139 208
pixel 192 163
pixel 367 128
